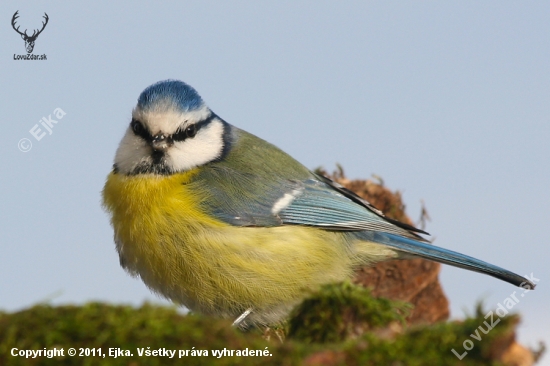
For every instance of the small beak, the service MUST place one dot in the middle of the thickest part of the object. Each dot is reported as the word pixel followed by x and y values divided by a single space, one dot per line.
pixel 161 142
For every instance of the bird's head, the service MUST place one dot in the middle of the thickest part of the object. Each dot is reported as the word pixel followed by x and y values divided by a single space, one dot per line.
pixel 171 131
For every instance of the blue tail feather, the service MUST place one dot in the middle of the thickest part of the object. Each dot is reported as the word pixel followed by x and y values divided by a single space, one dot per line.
pixel 446 256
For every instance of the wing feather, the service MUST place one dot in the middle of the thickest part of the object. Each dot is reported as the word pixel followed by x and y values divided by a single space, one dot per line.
pixel 320 204
pixel 244 190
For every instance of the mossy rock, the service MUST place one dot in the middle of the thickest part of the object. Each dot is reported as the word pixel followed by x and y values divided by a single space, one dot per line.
pixel 342 311
pixel 340 325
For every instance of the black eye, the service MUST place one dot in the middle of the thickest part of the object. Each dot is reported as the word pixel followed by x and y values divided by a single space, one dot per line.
pixel 191 131
pixel 137 127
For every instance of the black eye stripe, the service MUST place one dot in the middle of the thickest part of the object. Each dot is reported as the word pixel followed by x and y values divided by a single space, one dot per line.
pixel 140 130
pixel 180 135
pixel 190 131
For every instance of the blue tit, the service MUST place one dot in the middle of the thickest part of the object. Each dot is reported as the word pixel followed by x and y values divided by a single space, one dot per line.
pixel 221 221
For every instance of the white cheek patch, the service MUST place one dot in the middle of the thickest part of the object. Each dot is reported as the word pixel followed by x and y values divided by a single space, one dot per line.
pixel 131 151
pixel 206 146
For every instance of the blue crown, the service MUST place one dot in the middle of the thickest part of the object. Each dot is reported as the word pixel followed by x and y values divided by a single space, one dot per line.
pixel 183 96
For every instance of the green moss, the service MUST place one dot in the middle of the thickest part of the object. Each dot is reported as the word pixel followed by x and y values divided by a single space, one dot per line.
pixel 433 345
pixel 339 325
pixel 346 311
pixel 339 311
pixel 97 325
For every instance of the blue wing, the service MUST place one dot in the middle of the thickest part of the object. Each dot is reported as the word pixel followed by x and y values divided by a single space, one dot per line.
pixel 261 195
pixel 257 184
pixel 326 204
pixel 245 199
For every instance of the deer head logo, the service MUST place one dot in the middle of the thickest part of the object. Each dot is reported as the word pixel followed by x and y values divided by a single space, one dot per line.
pixel 29 40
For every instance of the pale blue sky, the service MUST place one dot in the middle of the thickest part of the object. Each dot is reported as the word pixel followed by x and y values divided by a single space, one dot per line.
pixel 447 101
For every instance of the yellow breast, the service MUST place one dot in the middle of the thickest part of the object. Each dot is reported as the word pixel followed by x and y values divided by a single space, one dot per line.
pixel 163 236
